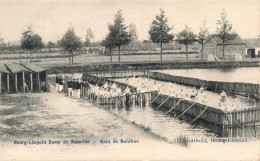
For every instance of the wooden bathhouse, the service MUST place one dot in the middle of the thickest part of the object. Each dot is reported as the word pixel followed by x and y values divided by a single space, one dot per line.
pixel 22 78
pixel 19 77
pixel 4 79
pixel 39 77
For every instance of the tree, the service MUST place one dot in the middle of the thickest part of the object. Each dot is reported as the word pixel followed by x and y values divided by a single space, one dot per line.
pixel 186 37
pixel 133 34
pixel 70 42
pixel 203 36
pixel 51 45
pixel 224 30
pixel 37 43
pixel 108 41
pixel 31 41
pixel 89 36
pixel 159 30
pixel 118 34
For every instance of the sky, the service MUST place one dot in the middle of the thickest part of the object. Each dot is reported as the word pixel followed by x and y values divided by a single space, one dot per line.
pixel 51 18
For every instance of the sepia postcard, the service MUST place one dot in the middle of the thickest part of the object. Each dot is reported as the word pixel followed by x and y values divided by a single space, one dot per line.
pixel 129 80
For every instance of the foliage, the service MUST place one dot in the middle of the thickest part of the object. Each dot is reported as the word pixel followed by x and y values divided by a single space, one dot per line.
pixel 146 42
pixel 89 36
pixel 186 37
pixel 51 45
pixel 31 41
pixel 118 31
pixel 203 35
pixel 70 41
pixel 133 32
pixel 117 35
pixel 160 31
pixel 224 29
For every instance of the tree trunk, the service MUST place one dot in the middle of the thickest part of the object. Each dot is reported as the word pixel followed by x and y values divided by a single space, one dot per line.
pixel 161 51
pixel 30 56
pixel 186 51
pixel 223 49
pixel 110 55
pixel 20 57
pixel 119 54
pixel 72 57
pixel 27 56
pixel 202 47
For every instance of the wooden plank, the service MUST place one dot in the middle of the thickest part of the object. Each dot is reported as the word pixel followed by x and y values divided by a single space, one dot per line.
pixel 8 83
pixel 31 82
pixel 15 82
pixel 186 110
pixel 23 81
pixel 0 82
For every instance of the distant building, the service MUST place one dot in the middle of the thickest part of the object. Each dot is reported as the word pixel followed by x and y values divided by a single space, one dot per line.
pixel 252 47
pixel 215 47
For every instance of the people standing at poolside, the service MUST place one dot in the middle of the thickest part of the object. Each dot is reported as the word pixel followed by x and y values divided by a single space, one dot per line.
pixel 77 87
pixel 70 84
pixel 57 83
pixel 60 84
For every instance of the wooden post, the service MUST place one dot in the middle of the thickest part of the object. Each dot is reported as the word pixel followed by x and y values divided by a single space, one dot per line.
pixel 15 82
pixel 0 82
pixel 7 83
pixel 31 82
pixel 38 81
pixel 46 82
pixel 23 82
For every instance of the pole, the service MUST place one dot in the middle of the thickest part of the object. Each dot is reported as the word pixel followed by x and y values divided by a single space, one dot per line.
pixel 46 82
pixel 23 82
pixel 0 82
pixel 31 82
pixel 15 82
pixel 7 82
pixel 38 81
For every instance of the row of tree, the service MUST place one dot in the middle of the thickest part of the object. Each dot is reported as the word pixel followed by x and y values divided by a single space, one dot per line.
pixel 160 32
pixel 119 34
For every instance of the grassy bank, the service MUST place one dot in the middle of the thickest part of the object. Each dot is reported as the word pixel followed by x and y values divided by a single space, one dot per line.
pixel 96 67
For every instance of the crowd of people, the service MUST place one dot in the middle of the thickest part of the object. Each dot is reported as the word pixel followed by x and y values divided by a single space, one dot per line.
pixel 78 88
pixel 142 85
pixel 146 85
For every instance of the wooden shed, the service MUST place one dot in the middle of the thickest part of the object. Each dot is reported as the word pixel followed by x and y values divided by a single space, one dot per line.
pixel 4 79
pixel 38 77
pixel 19 77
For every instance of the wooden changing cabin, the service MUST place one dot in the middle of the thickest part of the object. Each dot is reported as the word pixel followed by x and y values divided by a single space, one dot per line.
pixel 4 79
pixel 19 77
pixel 39 77
pixel 23 78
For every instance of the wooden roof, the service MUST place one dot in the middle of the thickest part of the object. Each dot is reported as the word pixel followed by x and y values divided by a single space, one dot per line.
pixel 34 68
pixel 3 69
pixel 17 68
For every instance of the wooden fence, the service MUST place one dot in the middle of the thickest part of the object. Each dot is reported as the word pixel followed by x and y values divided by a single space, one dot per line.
pixel 229 87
